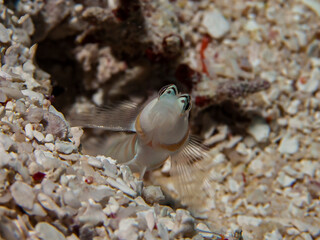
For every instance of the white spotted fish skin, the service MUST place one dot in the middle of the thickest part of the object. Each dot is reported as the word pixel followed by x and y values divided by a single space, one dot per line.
pixel 159 130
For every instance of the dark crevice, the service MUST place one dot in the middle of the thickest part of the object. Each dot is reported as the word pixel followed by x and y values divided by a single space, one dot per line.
pixel 124 37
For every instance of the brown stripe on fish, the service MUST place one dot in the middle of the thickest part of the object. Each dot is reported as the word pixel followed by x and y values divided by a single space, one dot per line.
pixel 138 127
pixel 175 146
pixel 133 144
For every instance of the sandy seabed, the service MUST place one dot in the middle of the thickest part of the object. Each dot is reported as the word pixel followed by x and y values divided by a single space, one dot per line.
pixel 253 71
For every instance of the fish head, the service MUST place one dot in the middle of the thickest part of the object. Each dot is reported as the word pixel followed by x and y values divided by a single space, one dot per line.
pixel 165 119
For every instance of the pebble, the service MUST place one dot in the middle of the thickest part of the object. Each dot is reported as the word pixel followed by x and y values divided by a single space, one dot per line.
pixel 37 210
pixel 243 150
pixel 249 221
pixel 152 194
pixel 7 212
pixel 302 201
pixel 95 162
pixel 295 122
pixel 274 235
pixel 314 230
pixel 1 109
pixel 93 214
pixel 291 172
pixel 166 167
pixel 282 122
pixel 128 229
pixel 46 159
pixel 233 141
pixel 49 204
pixel 148 235
pixel 308 167
pixel 4 35
pixel 257 197
pixel 219 158
pixel 204 231
pixel 314 150
pixel 3 97
pixel 315 62
pixel 162 231
pixel 257 167
pixel 218 137
pixel 97 97
pixel 34 168
pixel 306 236
pixel 312 83
pixel 5 158
pixel 64 147
pixel 147 218
pixel 48 187
pixel 293 107
pixel 215 23
pixel 259 129
pixel 33 95
pixel 289 145
pixel 112 207
pixel 76 135
pixel 234 186
pixel 26 23
pixel 100 193
pixel 9 106
pixel 302 38
pixel 71 157
pixel 47 231
pixel 23 194
pixel 122 187
pixel 71 199
pixel 284 180
pixel 49 138
pixel 50 146
pixel 28 67
pixel 5 141
pixel 252 25
pixel 292 231
pixel 60 115
pixel 39 136
pixel 184 223
pixel 270 76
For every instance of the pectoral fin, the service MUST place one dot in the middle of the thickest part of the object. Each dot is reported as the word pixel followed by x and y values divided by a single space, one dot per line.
pixel 122 147
pixel 190 169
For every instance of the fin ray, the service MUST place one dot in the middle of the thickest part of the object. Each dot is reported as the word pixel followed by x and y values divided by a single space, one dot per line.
pixel 122 148
pixel 190 169
pixel 120 117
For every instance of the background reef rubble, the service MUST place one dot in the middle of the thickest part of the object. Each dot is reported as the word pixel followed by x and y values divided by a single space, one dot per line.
pixel 253 70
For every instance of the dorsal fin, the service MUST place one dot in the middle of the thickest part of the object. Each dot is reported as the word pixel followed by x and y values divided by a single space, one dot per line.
pixel 119 117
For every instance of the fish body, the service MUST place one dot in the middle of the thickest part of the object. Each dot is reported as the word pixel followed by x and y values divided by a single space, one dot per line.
pixel 156 131
pixel 162 128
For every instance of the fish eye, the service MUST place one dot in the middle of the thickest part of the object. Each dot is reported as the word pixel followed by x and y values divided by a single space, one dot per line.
pixel 185 101
pixel 169 89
